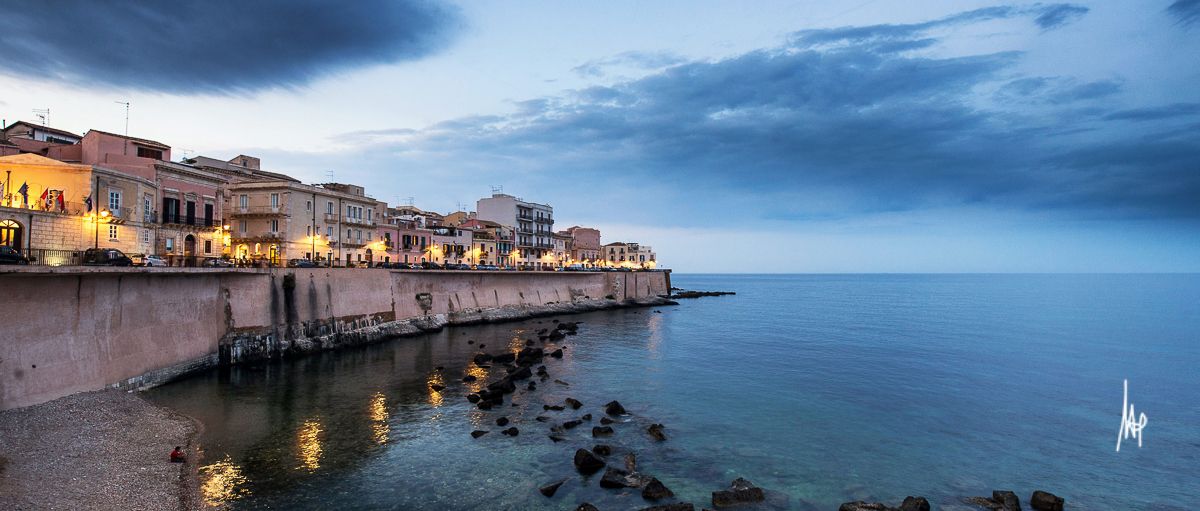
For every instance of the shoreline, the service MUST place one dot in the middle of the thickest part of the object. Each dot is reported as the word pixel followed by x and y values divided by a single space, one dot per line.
pixel 98 450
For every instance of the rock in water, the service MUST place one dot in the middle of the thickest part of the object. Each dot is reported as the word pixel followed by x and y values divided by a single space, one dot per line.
pixel 1008 500
pixel 602 449
pixel 511 432
pixel 614 408
pixel 587 462
pixel 614 478
pixel 655 490
pixel 606 421
pixel 437 388
pixel 575 403
pixel 541 418
pixel 478 433
pixel 740 492
pixel 556 408
pixel 914 504
pixel 602 431
pixel 571 424
pixel 549 489
pixel 474 398
pixel 586 417
pixel 502 421
pixel 678 506
pixel 468 378
pixel 1043 501
pixel 482 358
pixel 556 353
pixel 859 505
pixel 586 507
pixel 656 432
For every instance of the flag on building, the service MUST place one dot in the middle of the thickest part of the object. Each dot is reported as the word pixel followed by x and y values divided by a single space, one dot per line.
pixel 24 191
pixel 45 199
pixel 88 201
pixel 62 204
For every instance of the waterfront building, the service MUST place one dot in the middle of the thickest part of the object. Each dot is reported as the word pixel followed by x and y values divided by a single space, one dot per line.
pixel 534 224
pixel 562 249
pixel 411 241
pixel 585 245
pixel 458 217
pixel 502 238
pixel 423 219
pixel 44 208
pixel 629 255
pixel 450 245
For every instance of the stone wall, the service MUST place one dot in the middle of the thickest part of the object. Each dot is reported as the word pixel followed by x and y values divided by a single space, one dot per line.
pixel 73 329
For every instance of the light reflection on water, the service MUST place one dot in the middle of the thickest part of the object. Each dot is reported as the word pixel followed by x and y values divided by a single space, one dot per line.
pixel 435 396
pixel 379 417
pixel 222 482
pixel 308 444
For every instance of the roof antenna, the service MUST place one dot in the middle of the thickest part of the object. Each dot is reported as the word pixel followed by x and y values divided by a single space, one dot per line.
pixel 497 189
pixel 409 201
pixel 43 114
pixel 126 103
pixel 329 175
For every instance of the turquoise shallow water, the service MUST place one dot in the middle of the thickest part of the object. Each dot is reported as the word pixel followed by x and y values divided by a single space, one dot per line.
pixel 825 388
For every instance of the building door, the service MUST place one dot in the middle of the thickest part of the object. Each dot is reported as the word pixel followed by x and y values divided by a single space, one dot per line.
pixel 189 250
pixel 10 234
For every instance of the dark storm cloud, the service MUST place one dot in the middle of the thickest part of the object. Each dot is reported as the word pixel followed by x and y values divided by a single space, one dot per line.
pixel 1188 11
pixel 214 46
pixel 838 122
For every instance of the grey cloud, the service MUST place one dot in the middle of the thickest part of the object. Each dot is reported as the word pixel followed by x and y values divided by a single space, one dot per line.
pixel 1188 11
pixel 836 123
pixel 1156 113
pixel 215 46
pixel 1058 15
pixel 637 59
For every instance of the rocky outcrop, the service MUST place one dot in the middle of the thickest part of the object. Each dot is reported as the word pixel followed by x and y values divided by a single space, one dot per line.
pixel 587 462
pixel 1044 501
pixel 740 492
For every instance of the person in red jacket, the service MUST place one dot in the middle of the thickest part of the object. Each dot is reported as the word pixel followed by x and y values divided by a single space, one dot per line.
pixel 177 455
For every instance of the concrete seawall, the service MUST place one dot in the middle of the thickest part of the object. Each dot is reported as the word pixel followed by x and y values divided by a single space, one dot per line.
pixel 76 329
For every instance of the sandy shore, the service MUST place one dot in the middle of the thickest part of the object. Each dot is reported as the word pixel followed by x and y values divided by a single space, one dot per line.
pixel 96 450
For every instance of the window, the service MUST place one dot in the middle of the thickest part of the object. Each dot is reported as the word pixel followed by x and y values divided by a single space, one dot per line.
pixel 114 201
pixel 207 246
pixel 243 201
pixel 329 208
pixel 274 200
pixel 112 232
pixel 144 152
pixel 147 215
pixel 308 230
pixel 307 205
pixel 170 244
pixel 274 225
pixel 145 235
pixel 328 232
pixel 208 215
pixel 242 226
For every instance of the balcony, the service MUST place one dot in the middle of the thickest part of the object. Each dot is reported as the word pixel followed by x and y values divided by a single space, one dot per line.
pixel 544 245
pixel 268 237
pixel 257 211
pixel 544 220
pixel 358 221
pixel 525 230
pixel 181 220
pixel 331 218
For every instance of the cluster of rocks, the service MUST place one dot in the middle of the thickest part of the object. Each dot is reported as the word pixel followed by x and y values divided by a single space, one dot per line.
pixel 1001 500
pixel 591 460
pixel 1004 500
pixel 698 294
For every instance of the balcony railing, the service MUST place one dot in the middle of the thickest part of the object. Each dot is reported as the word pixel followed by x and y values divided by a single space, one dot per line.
pixel 257 210
pixel 544 220
pixel 173 219
pixel 358 221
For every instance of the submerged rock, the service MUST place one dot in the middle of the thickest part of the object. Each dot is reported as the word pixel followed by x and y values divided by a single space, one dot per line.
pixel 586 417
pixel 655 490
pixel 740 492
pixel 656 432
pixel 575 403
pixel 572 423
pixel 606 420
pixel 678 506
pixel 550 489
pixel 599 431
pixel 502 421
pixel 468 379
pixel 614 478
pixel 1044 501
pixel 553 407
pixel 541 418
pixel 481 358
pixel 859 505
pixel 511 432
pixel 478 433
pixel 587 462
pixel 614 408
pixel 437 388
pixel 602 449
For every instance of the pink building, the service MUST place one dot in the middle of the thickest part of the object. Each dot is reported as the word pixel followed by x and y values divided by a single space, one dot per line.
pixel 585 244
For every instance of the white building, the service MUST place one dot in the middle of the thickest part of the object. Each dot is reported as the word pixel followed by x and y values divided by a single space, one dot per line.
pixel 534 225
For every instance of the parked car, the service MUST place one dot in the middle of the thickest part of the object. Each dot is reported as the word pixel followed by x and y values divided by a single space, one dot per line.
pixel 454 266
pixel 301 263
pixel 9 255
pixel 217 263
pixel 428 265
pixel 154 260
pixel 487 267
pixel 106 257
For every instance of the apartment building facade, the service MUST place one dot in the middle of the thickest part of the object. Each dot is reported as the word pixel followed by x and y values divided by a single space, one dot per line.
pixel 533 223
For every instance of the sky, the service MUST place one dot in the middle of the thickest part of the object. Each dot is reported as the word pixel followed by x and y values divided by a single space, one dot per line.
pixel 847 136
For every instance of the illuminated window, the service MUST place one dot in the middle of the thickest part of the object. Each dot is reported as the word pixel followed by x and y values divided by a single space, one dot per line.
pixel 112 232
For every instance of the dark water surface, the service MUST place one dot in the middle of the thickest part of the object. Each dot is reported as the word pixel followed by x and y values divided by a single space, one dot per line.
pixel 826 388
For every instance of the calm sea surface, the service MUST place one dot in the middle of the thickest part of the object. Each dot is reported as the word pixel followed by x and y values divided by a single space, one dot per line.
pixel 825 388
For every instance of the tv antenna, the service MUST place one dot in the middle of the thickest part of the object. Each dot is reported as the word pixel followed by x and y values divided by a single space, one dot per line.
pixel 462 206
pixel 329 175
pixel 409 201
pixel 497 188
pixel 126 103
pixel 43 114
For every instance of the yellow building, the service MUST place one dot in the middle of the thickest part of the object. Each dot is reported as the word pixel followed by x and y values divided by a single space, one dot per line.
pixel 51 219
